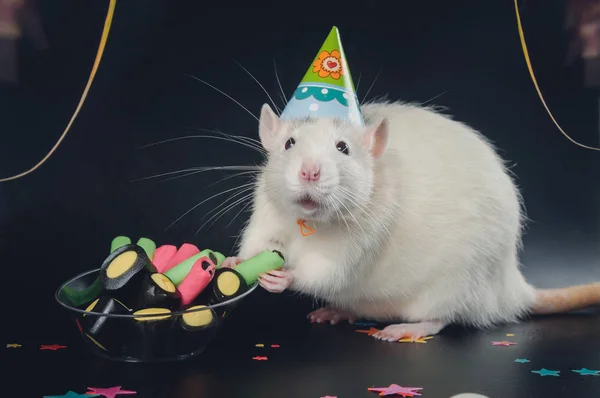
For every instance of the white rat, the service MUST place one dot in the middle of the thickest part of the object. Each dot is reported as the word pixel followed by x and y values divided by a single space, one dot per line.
pixel 415 217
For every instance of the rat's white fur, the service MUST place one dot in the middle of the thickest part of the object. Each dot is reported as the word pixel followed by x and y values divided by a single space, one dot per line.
pixel 431 231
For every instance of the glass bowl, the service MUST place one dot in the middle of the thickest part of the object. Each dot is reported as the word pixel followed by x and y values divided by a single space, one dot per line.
pixel 124 336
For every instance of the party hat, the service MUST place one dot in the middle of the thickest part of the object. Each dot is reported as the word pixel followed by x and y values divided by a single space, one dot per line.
pixel 327 89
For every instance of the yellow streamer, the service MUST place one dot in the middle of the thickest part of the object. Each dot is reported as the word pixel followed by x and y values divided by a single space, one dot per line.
pixel 104 38
pixel 526 54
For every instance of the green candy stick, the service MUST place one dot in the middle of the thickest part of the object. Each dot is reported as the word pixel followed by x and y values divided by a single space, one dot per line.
pixel 119 241
pixel 148 245
pixel 264 261
pixel 178 273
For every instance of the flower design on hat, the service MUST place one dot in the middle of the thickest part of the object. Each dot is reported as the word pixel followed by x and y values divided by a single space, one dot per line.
pixel 329 64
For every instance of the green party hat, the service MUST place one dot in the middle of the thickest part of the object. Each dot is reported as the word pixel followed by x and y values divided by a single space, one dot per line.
pixel 327 89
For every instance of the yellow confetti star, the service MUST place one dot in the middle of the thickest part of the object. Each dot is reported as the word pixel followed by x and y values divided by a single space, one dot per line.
pixel 13 345
pixel 510 334
pixel 419 340
pixel 260 345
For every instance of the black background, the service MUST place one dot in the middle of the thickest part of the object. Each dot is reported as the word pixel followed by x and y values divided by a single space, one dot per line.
pixel 59 220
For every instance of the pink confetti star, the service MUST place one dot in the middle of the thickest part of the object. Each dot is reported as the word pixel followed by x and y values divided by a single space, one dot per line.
pixel 52 347
pixel 328 396
pixel 260 358
pixel 503 343
pixel 395 389
pixel 275 346
pixel 109 392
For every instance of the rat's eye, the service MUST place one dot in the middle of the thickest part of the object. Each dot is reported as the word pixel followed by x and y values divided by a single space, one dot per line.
pixel 342 147
pixel 289 143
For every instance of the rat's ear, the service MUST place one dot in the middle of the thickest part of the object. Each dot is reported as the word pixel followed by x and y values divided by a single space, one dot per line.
pixel 268 127
pixel 376 138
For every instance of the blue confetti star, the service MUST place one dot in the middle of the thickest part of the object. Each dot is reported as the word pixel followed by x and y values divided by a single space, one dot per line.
pixel 72 394
pixel 546 372
pixel 365 323
pixel 522 360
pixel 587 372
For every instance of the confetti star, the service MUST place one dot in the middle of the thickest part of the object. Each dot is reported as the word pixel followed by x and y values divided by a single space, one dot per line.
pixel 510 334
pixel 522 360
pixel 13 345
pixel 504 343
pixel 546 372
pixel 328 396
pixel 72 394
pixel 52 347
pixel 275 346
pixel 109 392
pixel 259 345
pixel 370 332
pixel 365 324
pixel 395 389
pixel 260 358
pixel 587 372
pixel 419 340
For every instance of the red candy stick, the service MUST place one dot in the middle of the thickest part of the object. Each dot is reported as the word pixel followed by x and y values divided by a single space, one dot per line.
pixel 196 280
pixel 162 257
pixel 186 251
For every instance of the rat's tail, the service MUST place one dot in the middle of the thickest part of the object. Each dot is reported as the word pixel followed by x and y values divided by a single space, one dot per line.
pixel 553 301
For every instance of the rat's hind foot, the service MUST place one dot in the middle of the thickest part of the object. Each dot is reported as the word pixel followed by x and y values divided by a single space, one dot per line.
pixel 413 331
pixel 333 315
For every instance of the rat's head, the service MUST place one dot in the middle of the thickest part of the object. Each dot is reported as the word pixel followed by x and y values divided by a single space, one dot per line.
pixel 319 169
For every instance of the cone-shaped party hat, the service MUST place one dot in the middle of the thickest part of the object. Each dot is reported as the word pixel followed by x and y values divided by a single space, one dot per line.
pixel 327 89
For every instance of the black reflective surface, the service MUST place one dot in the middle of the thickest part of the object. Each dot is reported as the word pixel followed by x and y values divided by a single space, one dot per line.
pixel 59 221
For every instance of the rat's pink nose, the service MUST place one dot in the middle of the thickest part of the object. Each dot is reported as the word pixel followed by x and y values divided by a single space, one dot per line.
pixel 310 172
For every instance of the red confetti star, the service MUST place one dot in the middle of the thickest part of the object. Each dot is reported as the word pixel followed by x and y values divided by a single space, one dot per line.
pixel 260 358
pixel 503 343
pixel 395 389
pixel 370 332
pixel 109 392
pixel 52 347
pixel 275 346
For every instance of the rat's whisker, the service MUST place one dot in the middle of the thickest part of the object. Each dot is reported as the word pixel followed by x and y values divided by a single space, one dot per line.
pixel 372 84
pixel 195 170
pixel 352 215
pixel 434 98
pixel 258 147
pixel 279 83
pixel 165 174
pixel 358 82
pixel 247 188
pixel 222 212
pixel 225 94
pixel 226 138
pixel 261 86
pixel 339 214
pixel 232 176
pixel 204 201
pixel 238 213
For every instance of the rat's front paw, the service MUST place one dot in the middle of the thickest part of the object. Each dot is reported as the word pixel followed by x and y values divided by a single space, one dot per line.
pixel 276 281
pixel 231 262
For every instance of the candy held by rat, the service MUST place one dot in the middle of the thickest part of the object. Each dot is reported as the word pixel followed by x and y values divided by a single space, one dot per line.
pixel 232 282
pixel 411 215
